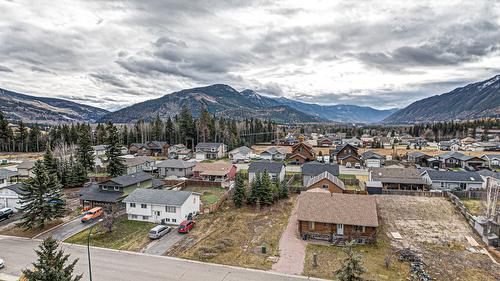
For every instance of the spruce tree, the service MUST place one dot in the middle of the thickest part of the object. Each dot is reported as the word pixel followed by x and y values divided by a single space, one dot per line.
pixel 84 151
pixel 239 191
pixel 266 193
pixel 116 167
pixel 79 174
pixel 253 197
pixel 352 267
pixel 56 203
pixel 52 264
pixel 283 190
pixel 50 162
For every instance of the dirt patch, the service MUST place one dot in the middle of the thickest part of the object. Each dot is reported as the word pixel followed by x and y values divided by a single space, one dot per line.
pixel 436 231
pixel 235 236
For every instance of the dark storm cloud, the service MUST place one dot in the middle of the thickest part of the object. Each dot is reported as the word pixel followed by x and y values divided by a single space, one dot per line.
pixel 109 79
pixel 5 69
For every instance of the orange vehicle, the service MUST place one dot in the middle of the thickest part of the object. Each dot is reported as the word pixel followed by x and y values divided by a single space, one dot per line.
pixel 92 214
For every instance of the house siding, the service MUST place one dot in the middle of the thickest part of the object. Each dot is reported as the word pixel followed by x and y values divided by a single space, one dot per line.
pixel 333 188
pixel 328 231
pixel 191 205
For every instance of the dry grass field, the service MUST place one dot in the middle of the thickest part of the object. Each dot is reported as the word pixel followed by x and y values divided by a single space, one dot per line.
pixel 435 230
pixel 234 236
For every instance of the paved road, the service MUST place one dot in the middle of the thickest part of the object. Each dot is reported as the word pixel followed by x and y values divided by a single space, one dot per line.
pixel 10 220
pixel 115 265
pixel 67 230
pixel 160 246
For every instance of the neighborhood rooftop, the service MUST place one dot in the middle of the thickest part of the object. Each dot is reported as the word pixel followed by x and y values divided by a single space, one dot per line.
pixel 315 168
pixel 337 208
pixel 174 163
pixel 261 166
pixel 127 180
pixel 326 175
pixel 454 176
pixel 158 196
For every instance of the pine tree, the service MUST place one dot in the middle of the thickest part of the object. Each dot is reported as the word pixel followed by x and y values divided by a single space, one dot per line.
pixel 50 162
pixel 56 203
pixel 51 264
pixel 84 151
pixel 78 174
pixel 352 267
pixel 283 190
pixel 116 167
pixel 266 194
pixel 239 191
pixel 253 197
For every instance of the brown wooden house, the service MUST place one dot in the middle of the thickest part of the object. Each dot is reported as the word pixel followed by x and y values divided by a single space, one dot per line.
pixel 337 217
pixel 345 154
pixel 326 181
pixel 301 153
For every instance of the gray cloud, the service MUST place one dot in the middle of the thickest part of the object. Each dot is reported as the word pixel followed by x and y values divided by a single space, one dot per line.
pixel 109 79
pixel 5 69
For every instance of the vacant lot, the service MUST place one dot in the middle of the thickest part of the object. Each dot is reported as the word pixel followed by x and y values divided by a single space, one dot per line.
pixel 234 236
pixel 210 194
pixel 126 235
pixel 434 229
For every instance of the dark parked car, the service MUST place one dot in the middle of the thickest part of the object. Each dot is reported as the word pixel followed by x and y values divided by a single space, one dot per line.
pixel 185 226
pixel 5 213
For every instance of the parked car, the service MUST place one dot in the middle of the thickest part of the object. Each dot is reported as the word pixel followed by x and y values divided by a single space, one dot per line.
pixel 5 213
pixel 357 166
pixel 2 263
pixel 185 226
pixel 158 231
pixel 92 214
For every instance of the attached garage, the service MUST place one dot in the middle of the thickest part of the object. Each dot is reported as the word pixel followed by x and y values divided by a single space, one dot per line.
pixel 9 196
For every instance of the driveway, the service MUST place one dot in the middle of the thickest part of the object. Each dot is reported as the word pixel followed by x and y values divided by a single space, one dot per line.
pixel 5 223
pixel 292 249
pixel 160 246
pixel 66 230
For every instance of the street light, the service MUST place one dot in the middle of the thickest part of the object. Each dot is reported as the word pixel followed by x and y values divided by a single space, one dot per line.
pixel 88 248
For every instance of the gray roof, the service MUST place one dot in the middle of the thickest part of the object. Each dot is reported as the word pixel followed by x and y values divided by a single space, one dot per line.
pixel 203 145
pixel 456 155
pixel 326 175
pixel 417 154
pixel 160 144
pixel 270 167
pixel 491 156
pixel 274 150
pixel 99 147
pixel 158 196
pixel 5 174
pixel 488 173
pixel 26 165
pixel 175 163
pixel 370 154
pixel 242 150
pixel 397 175
pixel 315 168
pixel 130 162
pixel 94 193
pixel 454 176
pixel 128 180
pixel 17 187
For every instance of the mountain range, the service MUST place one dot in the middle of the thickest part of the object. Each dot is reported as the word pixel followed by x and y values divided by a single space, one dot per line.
pixel 31 109
pixel 477 100
pixel 474 101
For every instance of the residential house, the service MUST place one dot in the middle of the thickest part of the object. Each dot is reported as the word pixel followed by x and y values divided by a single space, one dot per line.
pixel 419 158
pixel 175 168
pixel 354 141
pixel 8 177
pixel 10 196
pixel 162 206
pixel 288 141
pixel 367 140
pixel 139 149
pixel 337 218
pixel 312 169
pixel 398 178
pixel 452 145
pixel 371 159
pixel 492 160
pixel 138 164
pixel 488 175
pixel 326 181
pixel 455 159
pixel 274 153
pixel 241 153
pixel 157 148
pixel 99 150
pixel 210 150
pixel 325 142
pixel 418 142
pixel 345 154
pixel 110 193
pixel 450 180
pixel 179 151
pixel 25 169
pixel 484 146
pixel 301 153
pixel 217 171
pixel 467 141
pixel 276 170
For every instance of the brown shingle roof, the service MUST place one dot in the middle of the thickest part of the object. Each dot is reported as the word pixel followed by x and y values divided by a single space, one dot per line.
pixel 338 208
pixel 213 169
pixel 397 175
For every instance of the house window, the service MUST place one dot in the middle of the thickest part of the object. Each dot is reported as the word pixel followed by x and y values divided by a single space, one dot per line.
pixel 360 241
pixel 170 209
pixel 174 220
pixel 145 218
pixel 134 216
pixel 144 206
pixel 117 188
pixel 442 184
pixel 311 225
pixel 463 185
pixel 104 187
pixel 157 213
pixel 325 186
pixel 132 205
pixel 359 228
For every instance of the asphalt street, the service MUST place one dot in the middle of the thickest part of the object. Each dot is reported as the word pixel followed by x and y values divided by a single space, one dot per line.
pixel 113 265
pixel 67 230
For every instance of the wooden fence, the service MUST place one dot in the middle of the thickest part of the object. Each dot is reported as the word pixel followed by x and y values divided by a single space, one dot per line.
pixel 473 194
pixel 412 193
pixel 214 207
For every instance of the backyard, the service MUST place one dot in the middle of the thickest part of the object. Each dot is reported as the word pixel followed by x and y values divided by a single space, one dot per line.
pixel 126 235
pixel 209 194
pixel 475 206
pixel 235 236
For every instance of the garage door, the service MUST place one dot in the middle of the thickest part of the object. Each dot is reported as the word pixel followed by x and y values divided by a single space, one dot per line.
pixel 370 163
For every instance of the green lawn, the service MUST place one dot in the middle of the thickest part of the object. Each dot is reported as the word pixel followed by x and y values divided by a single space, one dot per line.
pixel 127 235
pixel 210 194
pixel 474 206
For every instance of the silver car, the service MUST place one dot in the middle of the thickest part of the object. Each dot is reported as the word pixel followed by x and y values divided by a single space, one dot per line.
pixel 158 231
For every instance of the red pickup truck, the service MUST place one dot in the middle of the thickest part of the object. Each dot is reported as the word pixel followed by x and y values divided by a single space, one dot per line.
pixel 185 226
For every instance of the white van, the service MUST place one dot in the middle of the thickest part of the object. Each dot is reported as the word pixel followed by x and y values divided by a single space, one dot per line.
pixel 158 231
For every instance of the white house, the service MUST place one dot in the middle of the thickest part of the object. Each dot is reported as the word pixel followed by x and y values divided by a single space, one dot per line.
pixel 9 196
pixel 274 153
pixel 354 141
pixel 25 169
pixel 136 164
pixel 210 150
pixel 449 180
pixel 492 160
pixel 240 154
pixel 276 170
pixel 161 206
pixel 175 168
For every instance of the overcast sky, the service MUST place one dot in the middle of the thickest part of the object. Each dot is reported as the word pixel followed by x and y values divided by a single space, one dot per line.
pixel 114 53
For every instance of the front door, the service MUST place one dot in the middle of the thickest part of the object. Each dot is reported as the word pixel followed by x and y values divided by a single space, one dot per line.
pixel 340 229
